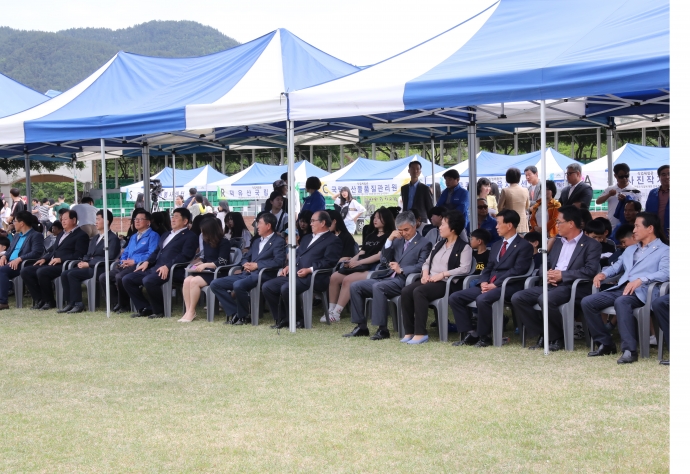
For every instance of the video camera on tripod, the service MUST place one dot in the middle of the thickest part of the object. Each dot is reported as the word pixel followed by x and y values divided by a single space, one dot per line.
pixel 156 188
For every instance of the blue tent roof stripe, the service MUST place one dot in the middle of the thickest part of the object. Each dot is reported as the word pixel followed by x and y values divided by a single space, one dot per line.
pixel 16 97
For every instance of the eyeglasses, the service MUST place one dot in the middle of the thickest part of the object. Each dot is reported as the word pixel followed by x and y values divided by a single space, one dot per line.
pixel 568 173
pixel 482 207
pixel 560 222
pixel 623 176
pixel 140 219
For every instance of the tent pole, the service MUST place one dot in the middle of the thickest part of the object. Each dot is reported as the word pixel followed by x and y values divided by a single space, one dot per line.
pixel 292 278
pixel 472 157
pixel 555 141
pixel 515 143
pixel 253 156
pixel 282 157
pixel 222 161
pixel 373 150
pixel 106 229
pixel 440 153
pixel 27 170
pixel 544 233
pixel 330 161
pixel 609 154
pixel 117 186
pixel 342 156
pixel 311 154
pixel 407 149
pixel 193 160
pixel 644 136
pixel 598 143
pixel 173 173
pixel 165 165
pixel 146 178
pixel 74 174
pixel 433 172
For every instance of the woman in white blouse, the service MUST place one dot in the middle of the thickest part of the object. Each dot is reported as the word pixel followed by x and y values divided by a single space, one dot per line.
pixel 349 208
pixel 450 257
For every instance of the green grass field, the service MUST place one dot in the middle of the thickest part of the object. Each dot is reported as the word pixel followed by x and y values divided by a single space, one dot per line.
pixel 83 393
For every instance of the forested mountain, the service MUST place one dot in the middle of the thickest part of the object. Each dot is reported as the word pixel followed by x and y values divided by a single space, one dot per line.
pixel 60 60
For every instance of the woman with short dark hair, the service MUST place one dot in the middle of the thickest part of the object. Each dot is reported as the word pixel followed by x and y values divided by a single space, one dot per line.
pixel 484 191
pixel 451 256
pixel 236 228
pixel 315 201
pixel 515 197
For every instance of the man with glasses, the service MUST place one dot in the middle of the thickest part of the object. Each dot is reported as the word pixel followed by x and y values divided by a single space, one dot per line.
pixel 578 193
pixel 486 222
pixel 619 192
pixel 319 250
pixel 573 256
pixel 141 245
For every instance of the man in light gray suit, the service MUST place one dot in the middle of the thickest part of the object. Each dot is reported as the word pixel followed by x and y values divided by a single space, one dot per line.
pixel 573 256
pixel 405 252
pixel 641 264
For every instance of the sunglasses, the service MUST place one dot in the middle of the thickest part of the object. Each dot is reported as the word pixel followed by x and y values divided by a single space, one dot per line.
pixel 482 207
pixel 623 176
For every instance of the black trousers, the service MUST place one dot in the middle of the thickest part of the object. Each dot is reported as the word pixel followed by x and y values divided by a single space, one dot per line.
pixel 662 310
pixel 627 324
pixel 154 287
pixel 415 299
pixel 277 294
pixel 523 307
pixel 117 289
pixel 459 300
pixel 39 281
pixel 72 280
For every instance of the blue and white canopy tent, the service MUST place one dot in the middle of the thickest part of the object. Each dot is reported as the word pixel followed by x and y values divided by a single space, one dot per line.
pixel 642 160
pixel 199 178
pixel 16 97
pixel 133 100
pixel 256 182
pixel 512 51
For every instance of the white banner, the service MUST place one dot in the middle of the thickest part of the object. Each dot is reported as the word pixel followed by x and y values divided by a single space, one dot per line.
pixel 644 180
pixel 363 188
pixel 165 195
pixel 258 191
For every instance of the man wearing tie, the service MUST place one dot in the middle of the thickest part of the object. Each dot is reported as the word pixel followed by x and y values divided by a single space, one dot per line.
pixel 72 278
pixel 513 257
pixel 69 245
pixel 27 244
pixel 319 250
pixel 266 253
pixel 643 263
pixel 176 246
pixel 405 252
pixel 573 256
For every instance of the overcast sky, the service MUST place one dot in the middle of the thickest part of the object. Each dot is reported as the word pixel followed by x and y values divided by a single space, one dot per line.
pixel 361 32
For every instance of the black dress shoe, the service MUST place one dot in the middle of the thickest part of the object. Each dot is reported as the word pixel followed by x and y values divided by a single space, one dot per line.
pixel 484 341
pixel 557 345
pixel 66 309
pixel 117 308
pixel 299 324
pixel 664 362
pixel 381 333
pixel 77 308
pixel 156 315
pixel 469 340
pixel 538 345
pixel 628 357
pixel 358 331
pixel 143 313
pixel 123 309
pixel 47 307
pixel 234 319
pixel 603 351
pixel 241 321
pixel 38 305
pixel 281 324
pixel 434 324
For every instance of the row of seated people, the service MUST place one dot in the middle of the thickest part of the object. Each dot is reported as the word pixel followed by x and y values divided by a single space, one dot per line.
pixel 574 255
pixel 404 252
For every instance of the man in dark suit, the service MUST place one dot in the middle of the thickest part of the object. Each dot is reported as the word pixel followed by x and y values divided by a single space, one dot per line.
pixel 176 246
pixel 578 193
pixel 72 278
pixel 416 195
pixel 512 257
pixel 662 311
pixel 573 256
pixel 320 249
pixel 27 244
pixel 405 252
pixel 69 245
pixel 267 252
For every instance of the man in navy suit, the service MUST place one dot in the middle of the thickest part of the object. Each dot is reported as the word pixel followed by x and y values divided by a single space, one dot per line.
pixel 641 264
pixel 27 244
pixel 578 193
pixel 320 249
pixel 405 252
pixel 512 257
pixel 176 246
pixel 69 245
pixel 72 278
pixel 573 256
pixel 266 253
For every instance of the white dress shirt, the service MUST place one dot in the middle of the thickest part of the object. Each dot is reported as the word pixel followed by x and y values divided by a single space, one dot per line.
pixel 510 241
pixel 263 240
pixel 567 250
pixel 173 233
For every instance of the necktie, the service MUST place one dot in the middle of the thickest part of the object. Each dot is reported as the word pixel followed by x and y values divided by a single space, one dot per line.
pixel 504 248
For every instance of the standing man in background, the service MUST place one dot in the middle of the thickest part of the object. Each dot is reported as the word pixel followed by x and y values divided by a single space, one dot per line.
pixel 86 216
pixel 659 200
pixel 578 193
pixel 621 191
pixel 534 189
pixel 455 196
pixel 415 195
